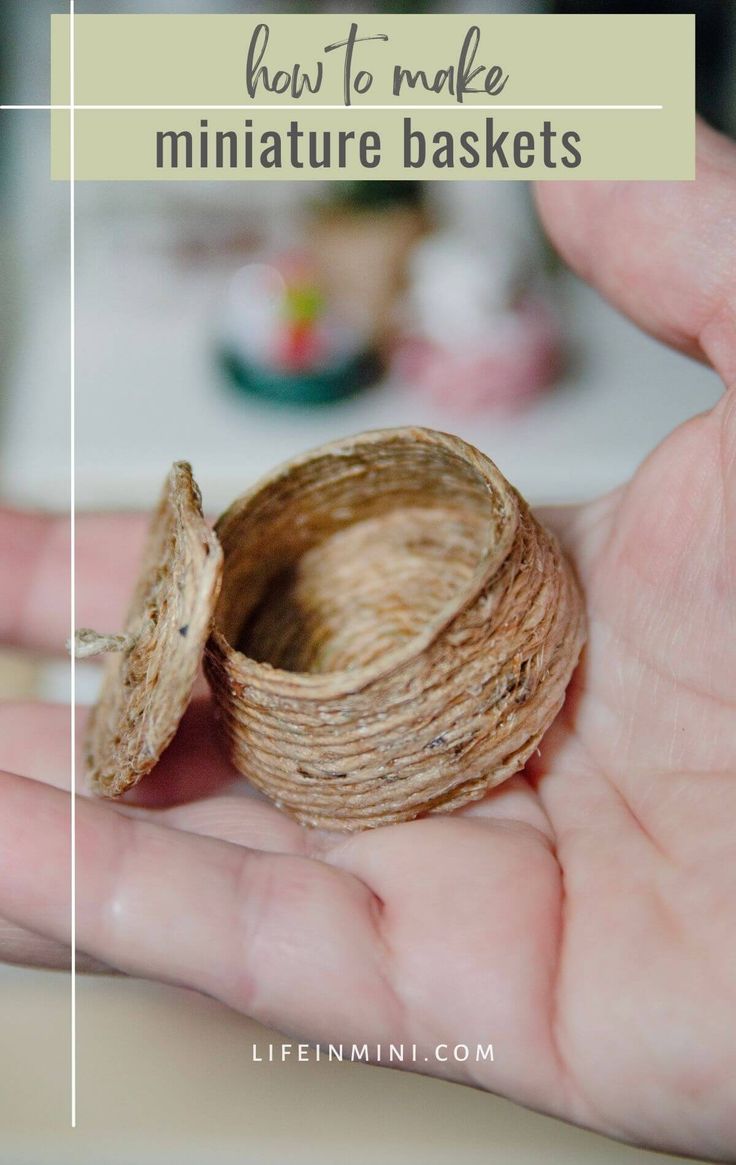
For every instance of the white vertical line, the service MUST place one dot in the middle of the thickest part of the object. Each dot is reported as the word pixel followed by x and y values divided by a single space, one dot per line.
pixel 72 566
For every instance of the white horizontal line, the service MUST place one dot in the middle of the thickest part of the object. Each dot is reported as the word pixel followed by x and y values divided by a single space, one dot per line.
pixel 332 108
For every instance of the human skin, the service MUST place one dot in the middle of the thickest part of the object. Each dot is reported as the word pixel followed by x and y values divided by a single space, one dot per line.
pixel 581 917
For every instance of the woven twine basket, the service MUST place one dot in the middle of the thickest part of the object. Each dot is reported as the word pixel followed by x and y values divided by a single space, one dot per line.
pixel 394 631
pixel 386 628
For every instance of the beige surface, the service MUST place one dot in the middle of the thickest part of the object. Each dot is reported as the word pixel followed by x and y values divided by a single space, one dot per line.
pixel 167 1076
pixel 19 676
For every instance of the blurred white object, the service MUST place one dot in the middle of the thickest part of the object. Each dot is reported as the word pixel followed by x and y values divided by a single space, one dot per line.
pixel 474 338
pixel 458 286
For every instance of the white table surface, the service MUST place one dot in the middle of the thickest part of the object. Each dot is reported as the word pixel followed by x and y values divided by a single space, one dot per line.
pixel 146 403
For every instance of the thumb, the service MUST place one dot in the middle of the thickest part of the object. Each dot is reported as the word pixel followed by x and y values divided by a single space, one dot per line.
pixel 663 252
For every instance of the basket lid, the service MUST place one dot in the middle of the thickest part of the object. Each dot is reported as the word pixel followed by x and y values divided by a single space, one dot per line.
pixel 151 672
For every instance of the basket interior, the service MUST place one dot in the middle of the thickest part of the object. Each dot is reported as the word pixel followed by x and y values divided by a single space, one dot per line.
pixel 345 557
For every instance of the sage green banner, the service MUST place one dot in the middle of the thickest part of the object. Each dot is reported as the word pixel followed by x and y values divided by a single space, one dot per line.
pixel 178 98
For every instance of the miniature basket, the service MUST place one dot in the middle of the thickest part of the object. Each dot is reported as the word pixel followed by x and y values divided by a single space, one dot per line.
pixel 393 635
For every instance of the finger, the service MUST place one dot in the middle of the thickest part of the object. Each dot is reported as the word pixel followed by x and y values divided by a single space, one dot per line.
pixel 291 941
pixel 514 801
pixel 19 945
pixel 35 739
pixel 34 579
pixel 23 948
pixel 664 252
pixel 181 791
pixel 240 819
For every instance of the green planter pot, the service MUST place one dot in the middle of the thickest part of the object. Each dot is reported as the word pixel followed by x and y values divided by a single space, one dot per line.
pixel 323 386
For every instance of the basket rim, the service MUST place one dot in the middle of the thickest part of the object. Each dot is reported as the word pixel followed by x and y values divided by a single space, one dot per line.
pixel 343 682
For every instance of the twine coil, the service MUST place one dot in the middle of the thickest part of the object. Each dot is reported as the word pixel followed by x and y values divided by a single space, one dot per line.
pixel 394 633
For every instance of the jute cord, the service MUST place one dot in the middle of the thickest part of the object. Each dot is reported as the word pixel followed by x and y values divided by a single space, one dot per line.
pixel 394 632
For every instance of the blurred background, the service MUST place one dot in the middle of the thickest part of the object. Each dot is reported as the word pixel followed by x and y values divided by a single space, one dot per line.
pixel 235 324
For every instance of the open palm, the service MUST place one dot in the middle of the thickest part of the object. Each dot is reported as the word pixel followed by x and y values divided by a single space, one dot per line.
pixel 582 917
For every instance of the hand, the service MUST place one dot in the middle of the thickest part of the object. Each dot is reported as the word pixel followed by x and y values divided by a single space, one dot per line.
pixel 582 917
